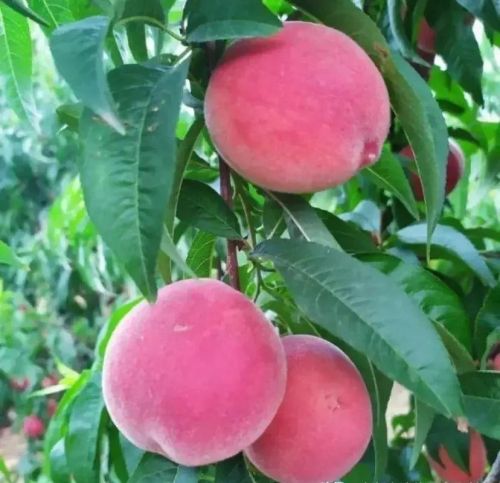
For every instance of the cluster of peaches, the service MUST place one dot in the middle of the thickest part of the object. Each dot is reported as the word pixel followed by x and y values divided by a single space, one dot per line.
pixel 201 374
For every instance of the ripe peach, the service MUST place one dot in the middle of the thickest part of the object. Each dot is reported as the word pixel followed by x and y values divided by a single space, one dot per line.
pixel 19 385
pixel 426 38
pixel 299 111
pixel 196 376
pixel 33 427
pixel 454 170
pixel 450 471
pixel 324 424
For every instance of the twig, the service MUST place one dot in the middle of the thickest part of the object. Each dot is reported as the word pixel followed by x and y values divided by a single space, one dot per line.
pixel 494 474
pixel 232 245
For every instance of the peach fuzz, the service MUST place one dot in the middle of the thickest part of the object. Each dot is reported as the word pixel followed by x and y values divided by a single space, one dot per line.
pixel 450 471
pixel 324 424
pixel 454 170
pixel 196 376
pixel 299 111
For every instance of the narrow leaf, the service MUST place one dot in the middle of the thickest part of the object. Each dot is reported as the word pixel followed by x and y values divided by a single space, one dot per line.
pixel 16 62
pixel 487 320
pixel 388 174
pixel 127 180
pixel 435 298
pixel 21 8
pixel 78 51
pixel 154 468
pixel 202 207
pixel 55 12
pixel 424 416
pixel 8 257
pixel 482 401
pixel 302 220
pixel 232 470
pixel 453 242
pixel 200 256
pixel 169 248
pixel 83 432
pixel 219 19
pixel 371 313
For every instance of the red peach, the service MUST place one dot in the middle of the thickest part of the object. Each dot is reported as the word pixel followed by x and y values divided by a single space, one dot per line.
pixel 454 170
pixel 51 407
pixel 495 362
pixel 450 471
pixel 324 424
pixel 299 111
pixel 19 385
pixel 49 381
pixel 33 427
pixel 196 376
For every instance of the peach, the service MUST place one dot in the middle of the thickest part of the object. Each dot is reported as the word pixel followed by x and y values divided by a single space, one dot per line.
pixel 196 376
pixel 33 427
pixel 426 38
pixel 454 170
pixel 19 385
pixel 495 362
pixel 450 471
pixel 299 111
pixel 324 424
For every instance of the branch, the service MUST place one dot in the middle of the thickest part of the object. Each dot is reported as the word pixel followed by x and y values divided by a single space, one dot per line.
pixel 494 474
pixel 232 245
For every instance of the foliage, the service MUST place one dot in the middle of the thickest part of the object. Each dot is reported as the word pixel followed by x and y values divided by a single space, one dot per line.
pixel 118 193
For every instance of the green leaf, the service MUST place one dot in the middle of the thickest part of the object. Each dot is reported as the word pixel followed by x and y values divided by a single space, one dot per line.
pixel 5 471
pixel 486 10
pixel 411 98
pixel 395 9
pixel 440 303
pixel 272 219
pixel 388 174
pixel 456 43
pixel 83 432
pixel 482 401
pixel 200 256
pixel 169 249
pixel 462 360
pixel 8 257
pixel 154 468
pixel 59 464
pixel 371 313
pixel 351 238
pixel 21 8
pixel 424 416
pixel 202 207
pixel 232 470
pixel 78 51
pixel 137 13
pixel 219 19
pixel 55 12
pixel 453 242
pixel 16 62
pixel 127 180
pixel 70 115
pixel 487 320
pixel 302 220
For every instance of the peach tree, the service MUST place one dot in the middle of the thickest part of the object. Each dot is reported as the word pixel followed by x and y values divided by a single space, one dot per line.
pixel 335 163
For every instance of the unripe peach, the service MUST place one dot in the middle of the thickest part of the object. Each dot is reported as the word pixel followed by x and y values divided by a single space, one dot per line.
pixel 299 111
pixel 454 170
pixel 196 376
pixel 324 424
pixel 450 471
pixel 33 427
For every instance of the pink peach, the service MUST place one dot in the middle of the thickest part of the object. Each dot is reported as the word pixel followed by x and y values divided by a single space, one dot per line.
pixel 324 424
pixel 33 427
pixel 299 111
pixel 196 376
